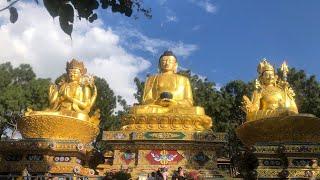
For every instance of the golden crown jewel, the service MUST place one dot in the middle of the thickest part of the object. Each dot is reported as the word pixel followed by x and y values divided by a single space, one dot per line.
pixel 74 64
pixel 264 66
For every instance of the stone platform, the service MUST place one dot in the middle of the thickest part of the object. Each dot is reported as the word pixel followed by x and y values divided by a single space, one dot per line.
pixel 144 152
pixel 287 160
pixel 43 156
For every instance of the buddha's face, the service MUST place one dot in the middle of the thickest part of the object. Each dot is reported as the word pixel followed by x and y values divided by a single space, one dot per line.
pixel 168 64
pixel 268 78
pixel 74 75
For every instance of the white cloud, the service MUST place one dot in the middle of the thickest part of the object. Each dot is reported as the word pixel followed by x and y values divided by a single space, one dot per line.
pixel 154 45
pixel 181 49
pixel 36 39
pixel 196 27
pixel 172 19
pixel 207 5
pixel 169 19
pixel 162 2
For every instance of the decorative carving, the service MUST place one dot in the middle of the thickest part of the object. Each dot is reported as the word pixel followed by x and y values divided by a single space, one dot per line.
pixel 128 156
pixel 34 157
pixel 201 158
pixel 163 157
pixel 62 159
pixel 164 135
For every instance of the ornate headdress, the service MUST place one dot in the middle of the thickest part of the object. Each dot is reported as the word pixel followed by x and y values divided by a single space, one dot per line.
pixel 264 66
pixel 74 64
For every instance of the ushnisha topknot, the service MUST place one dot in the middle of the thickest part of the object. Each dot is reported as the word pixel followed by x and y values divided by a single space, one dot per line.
pixel 167 53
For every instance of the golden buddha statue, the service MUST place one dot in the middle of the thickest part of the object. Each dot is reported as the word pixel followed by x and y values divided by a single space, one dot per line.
pixel 272 97
pixel 70 104
pixel 167 94
pixel 167 91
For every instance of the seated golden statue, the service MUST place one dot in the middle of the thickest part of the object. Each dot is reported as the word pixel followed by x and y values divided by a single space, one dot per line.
pixel 74 97
pixel 167 94
pixel 70 104
pixel 272 114
pixel 272 97
pixel 167 91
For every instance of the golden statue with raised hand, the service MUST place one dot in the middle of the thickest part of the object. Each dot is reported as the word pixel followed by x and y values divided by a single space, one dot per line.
pixel 167 96
pixel 74 97
pixel 272 96
pixel 272 114
pixel 70 104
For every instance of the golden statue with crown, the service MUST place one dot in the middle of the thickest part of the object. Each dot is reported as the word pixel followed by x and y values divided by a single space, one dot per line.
pixel 70 104
pixel 73 97
pixel 58 140
pixel 272 96
pixel 167 102
pixel 272 114
pixel 275 133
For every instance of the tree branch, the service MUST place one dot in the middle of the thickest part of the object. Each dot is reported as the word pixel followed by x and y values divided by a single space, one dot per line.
pixel 11 4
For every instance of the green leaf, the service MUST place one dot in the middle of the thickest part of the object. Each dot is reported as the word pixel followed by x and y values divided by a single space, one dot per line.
pixel 93 17
pixel 52 6
pixel 66 18
pixel 13 14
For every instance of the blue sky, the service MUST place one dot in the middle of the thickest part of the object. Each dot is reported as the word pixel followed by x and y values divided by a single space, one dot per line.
pixel 233 37
pixel 222 40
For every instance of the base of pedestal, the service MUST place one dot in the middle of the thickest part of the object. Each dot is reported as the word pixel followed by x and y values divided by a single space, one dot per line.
pixel 287 160
pixel 144 152
pixel 44 156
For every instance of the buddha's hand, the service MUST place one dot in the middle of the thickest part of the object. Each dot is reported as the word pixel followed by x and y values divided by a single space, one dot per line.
pixel 166 102
pixel 94 95
pixel 52 89
pixel 67 94
pixel 247 104
pixel 53 93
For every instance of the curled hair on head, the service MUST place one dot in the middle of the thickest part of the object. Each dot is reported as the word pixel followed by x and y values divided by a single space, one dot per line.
pixel 167 53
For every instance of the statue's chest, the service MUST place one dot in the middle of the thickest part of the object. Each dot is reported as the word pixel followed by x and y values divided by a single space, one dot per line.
pixel 272 95
pixel 74 90
pixel 166 83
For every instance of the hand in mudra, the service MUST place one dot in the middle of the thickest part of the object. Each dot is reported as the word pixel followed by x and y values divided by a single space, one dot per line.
pixel 247 104
pixel 165 99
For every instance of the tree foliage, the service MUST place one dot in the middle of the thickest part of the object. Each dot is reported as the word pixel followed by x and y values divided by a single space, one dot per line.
pixel 20 89
pixel 66 10
pixel 307 90
pixel 139 93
